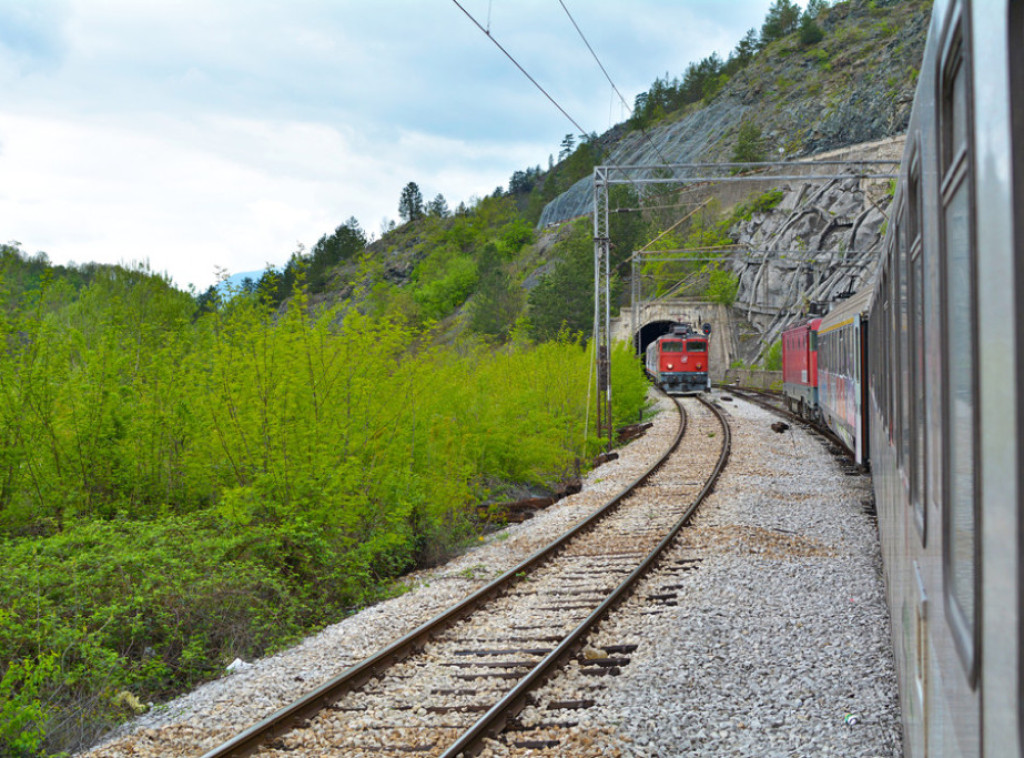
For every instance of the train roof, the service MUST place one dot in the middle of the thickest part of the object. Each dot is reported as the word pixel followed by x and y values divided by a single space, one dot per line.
pixel 843 312
pixel 682 337
pixel 802 326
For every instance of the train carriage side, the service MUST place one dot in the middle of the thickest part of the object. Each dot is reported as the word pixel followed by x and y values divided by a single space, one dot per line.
pixel 945 399
pixel 841 363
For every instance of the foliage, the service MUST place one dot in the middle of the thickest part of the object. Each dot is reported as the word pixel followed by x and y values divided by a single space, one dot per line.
pixel 23 715
pixel 763 203
pixel 722 286
pixel 810 32
pixel 782 19
pixel 564 297
pixel 410 204
pixel 773 357
pixel 438 207
pixel 177 491
pixel 749 144
pixel 498 299
pixel 702 80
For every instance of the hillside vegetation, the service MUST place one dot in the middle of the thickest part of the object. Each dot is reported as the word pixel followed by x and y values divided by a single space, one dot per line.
pixel 181 485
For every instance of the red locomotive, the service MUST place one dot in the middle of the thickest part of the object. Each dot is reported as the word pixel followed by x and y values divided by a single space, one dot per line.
pixel 800 367
pixel 678 361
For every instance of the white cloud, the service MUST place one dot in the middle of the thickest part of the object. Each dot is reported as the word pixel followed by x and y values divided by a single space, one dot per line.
pixel 196 134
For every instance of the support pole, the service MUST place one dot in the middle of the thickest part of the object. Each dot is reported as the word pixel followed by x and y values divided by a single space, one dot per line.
pixel 602 306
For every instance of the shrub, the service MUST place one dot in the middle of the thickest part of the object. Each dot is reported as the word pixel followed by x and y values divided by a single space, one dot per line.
pixel 773 357
pixel 749 144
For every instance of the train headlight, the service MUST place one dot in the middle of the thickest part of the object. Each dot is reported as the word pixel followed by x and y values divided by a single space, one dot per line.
pixel 670 367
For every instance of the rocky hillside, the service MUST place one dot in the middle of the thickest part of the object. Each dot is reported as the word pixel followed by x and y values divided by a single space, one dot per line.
pixel 509 264
pixel 820 242
pixel 854 85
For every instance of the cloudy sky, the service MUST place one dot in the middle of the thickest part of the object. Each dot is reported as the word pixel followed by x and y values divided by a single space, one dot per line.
pixel 205 134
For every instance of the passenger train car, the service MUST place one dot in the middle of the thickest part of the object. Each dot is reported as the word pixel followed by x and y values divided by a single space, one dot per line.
pixel 937 345
pixel 842 389
pixel 678 361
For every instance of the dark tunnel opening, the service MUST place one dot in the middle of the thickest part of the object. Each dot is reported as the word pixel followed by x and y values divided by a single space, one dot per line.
pixel 650 332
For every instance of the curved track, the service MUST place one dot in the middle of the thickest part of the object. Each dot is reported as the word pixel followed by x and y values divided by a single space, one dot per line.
pixel 455 681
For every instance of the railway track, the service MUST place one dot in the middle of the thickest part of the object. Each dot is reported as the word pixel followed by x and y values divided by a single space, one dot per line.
pixel 458 680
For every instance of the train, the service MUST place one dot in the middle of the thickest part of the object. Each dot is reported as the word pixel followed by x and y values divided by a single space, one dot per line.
pixel 678 360
pixel 920 374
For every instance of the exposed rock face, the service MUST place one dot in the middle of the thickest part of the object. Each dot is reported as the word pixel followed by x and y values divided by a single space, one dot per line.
pixel 821 241
pixel 689 140
pixel 855 86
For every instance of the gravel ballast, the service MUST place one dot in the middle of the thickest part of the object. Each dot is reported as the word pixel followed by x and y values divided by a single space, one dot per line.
pixel 779 644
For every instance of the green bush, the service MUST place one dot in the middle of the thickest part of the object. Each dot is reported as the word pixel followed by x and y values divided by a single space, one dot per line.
pixel 773 357
pixel 722 287
pixel 178 493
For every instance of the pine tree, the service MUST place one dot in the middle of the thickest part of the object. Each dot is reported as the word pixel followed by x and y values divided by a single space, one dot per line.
pixel 782 19
pixel 410 205
pixel 749 144
pixel 567 146
pixel 438 207
pixel 810 32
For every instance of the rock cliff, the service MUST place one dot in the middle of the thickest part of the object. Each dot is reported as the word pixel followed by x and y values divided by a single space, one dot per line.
pixel 854 86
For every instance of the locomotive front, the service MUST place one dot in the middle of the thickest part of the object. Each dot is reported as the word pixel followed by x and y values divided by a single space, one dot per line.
pixel 679 360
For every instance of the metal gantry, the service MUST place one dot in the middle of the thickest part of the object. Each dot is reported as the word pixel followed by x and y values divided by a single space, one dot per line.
pixel 685 173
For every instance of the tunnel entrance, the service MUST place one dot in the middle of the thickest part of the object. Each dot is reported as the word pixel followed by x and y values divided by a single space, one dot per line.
pixel 650 332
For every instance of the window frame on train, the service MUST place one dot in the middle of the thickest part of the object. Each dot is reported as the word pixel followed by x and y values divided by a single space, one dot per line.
pixel 915 271
pixel 961 499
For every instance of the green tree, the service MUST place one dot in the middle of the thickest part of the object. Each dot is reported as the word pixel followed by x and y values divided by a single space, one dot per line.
pixel 564 298
pixel 497 301
pixel 810 32
pixel 410 204
pixel 782 19
pixel 749 144
pixel 438 207
pixel 567 146
pixel 346 243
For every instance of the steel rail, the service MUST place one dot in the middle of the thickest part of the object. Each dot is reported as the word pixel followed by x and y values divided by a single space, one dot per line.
pixel 283 720
pixel 493 722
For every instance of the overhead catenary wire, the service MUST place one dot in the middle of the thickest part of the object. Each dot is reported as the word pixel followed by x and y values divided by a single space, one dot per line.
pixel 608 77
pixel 509 55
pixel 596 59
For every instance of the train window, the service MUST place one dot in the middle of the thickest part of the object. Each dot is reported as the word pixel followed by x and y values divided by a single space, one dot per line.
pixel 904 332
pixel 883 385
pixel 696 346
pixel 917 470
pixel 960 549
pixel 671 346
pixel 954 108
pixel 894 349
pixel 914 201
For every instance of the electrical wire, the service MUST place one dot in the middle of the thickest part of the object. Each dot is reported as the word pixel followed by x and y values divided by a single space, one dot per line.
pixel 508 55
pixel 598 60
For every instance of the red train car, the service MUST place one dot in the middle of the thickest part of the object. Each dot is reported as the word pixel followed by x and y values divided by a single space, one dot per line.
pixel 800 367
pixel 678 361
